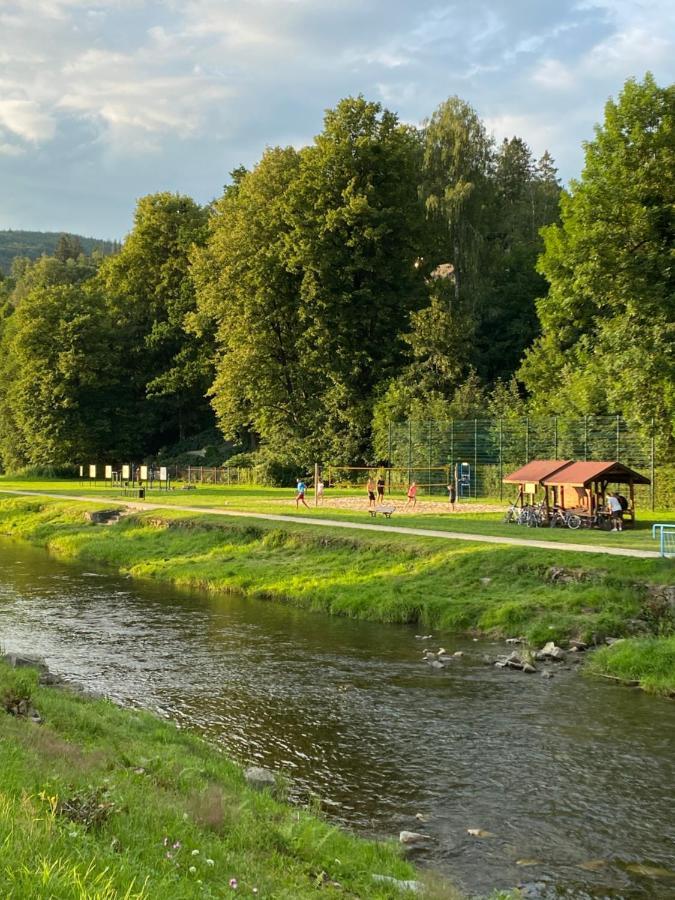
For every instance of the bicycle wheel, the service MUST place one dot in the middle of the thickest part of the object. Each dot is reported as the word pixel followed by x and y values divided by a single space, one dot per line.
pixel 574 522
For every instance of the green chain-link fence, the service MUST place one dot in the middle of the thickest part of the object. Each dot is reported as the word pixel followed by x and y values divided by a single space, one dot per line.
pixel 486 450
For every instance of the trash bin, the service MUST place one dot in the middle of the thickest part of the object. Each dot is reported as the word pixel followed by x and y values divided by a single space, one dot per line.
pixel 141 493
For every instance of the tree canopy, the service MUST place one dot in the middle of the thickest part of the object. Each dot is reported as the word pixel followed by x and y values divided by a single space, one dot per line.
pixel 379 273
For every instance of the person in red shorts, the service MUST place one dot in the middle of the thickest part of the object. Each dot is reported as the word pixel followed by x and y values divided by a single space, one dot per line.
pixel 300 494
pixel 412 495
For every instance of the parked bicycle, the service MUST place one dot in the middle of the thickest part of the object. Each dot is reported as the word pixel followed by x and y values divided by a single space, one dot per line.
pixel 563 518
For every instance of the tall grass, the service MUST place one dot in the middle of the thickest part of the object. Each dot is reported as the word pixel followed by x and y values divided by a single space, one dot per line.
pixel 179 820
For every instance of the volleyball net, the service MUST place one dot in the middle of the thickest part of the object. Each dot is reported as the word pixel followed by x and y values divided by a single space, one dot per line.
pixel 429 479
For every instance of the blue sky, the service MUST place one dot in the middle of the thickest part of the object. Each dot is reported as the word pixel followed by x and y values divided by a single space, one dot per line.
pixel 102 101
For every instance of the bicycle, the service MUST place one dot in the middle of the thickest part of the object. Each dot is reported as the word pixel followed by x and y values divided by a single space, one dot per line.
pixel 562 518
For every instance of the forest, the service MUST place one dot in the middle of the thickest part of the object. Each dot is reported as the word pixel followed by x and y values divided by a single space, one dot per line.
pixel 382 272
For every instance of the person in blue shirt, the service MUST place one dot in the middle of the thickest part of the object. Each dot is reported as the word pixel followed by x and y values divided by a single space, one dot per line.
pixel 300 494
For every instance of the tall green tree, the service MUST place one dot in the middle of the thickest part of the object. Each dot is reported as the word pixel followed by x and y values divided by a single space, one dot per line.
pixel 151 295
pixel 61 383
pixel 457 190
pixel 248 296
pixel 525 198
pixel 357 230
pixel 608 321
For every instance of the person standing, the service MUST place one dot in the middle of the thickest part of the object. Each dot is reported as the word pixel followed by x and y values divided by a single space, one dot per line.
pixel 616 512
pixel 319 491
pixel 412 495
pixel 300 494
pixel 380 489
pixel 370 487
pixel 452 495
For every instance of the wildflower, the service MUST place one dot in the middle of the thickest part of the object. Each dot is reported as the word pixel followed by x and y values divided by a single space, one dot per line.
pixel 195 852
pixel 210 862
pixel 166 842
pixel 192 870
pixel 254 890
pixel 234 884
pixel 177 845
pixel 72 834
pixel 169 855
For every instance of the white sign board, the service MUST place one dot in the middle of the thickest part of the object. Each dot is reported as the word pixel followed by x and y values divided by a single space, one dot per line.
pixel 163 473
pixel 92 471
pixel 144 473
pixel 126 473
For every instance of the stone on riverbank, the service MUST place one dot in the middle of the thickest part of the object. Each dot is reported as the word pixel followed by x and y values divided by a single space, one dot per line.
pixel 415 887
pixel 260 779
pixel 551 651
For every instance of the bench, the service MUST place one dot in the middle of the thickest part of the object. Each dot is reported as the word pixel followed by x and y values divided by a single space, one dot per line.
pixel 384 509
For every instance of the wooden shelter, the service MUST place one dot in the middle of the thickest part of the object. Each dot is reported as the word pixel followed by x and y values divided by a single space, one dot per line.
pixel 582 486
pixel 532 477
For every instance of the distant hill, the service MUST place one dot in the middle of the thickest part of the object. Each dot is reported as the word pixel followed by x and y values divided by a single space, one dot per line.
pixel 34 244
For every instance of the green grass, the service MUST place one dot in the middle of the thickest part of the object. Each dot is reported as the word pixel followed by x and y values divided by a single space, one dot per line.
pixel 461 586
pixel 95 801
pixel 280 502
pixel 647 662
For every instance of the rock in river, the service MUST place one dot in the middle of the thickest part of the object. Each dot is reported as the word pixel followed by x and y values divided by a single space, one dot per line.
pixel 412 837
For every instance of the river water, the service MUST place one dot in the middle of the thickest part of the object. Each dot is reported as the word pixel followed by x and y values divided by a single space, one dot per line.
pixel 574 778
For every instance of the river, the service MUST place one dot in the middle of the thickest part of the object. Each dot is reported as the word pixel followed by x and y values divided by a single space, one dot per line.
pixel 573 777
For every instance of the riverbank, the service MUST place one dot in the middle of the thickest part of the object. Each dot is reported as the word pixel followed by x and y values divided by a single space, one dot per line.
pixel 108 802
pixel 465 587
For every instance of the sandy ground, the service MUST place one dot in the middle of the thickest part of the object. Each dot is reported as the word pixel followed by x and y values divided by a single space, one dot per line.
pixel 423 507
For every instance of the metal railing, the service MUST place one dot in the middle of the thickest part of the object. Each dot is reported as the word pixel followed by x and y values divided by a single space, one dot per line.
pixel 665 534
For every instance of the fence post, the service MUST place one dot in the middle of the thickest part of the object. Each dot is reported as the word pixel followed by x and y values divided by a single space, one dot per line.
pixel 475 459
pixel 316 483
pixel 501 462
pixel 585 438
pixel 429 460
pixel 555 437
pixel 409 450
pixel 652 489
pixel 452 448
pixel 618 436
pixel 527 439
pixel 389 449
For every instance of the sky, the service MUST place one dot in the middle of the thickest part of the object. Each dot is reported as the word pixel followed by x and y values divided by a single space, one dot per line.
pixel 103 101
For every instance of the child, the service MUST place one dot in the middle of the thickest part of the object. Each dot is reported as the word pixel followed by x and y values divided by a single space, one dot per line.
pixel 300 495
pixel 370 487
pixel 452 495
pixel 319 491
pixel 412 495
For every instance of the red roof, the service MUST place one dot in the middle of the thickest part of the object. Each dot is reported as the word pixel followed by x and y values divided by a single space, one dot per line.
pixel 536 470
pixel 583 473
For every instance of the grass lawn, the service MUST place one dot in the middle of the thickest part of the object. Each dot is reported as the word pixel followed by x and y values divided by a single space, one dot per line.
pixel 106 803
pixel 280 502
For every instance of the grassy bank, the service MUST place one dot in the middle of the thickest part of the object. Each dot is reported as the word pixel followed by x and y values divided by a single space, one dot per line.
pixel 279 501
pixel 462 586
pixel 106 803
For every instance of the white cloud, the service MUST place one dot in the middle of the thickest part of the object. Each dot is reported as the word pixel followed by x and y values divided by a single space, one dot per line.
pixel 27 120
pixel 551 73
pixel 130 87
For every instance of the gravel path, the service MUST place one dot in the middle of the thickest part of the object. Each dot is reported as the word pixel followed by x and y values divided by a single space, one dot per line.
pixel 359 526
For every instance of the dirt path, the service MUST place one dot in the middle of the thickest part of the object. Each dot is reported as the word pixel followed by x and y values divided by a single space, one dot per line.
pixel 358 526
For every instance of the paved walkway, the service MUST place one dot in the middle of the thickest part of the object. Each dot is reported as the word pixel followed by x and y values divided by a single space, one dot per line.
pixel 359 526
